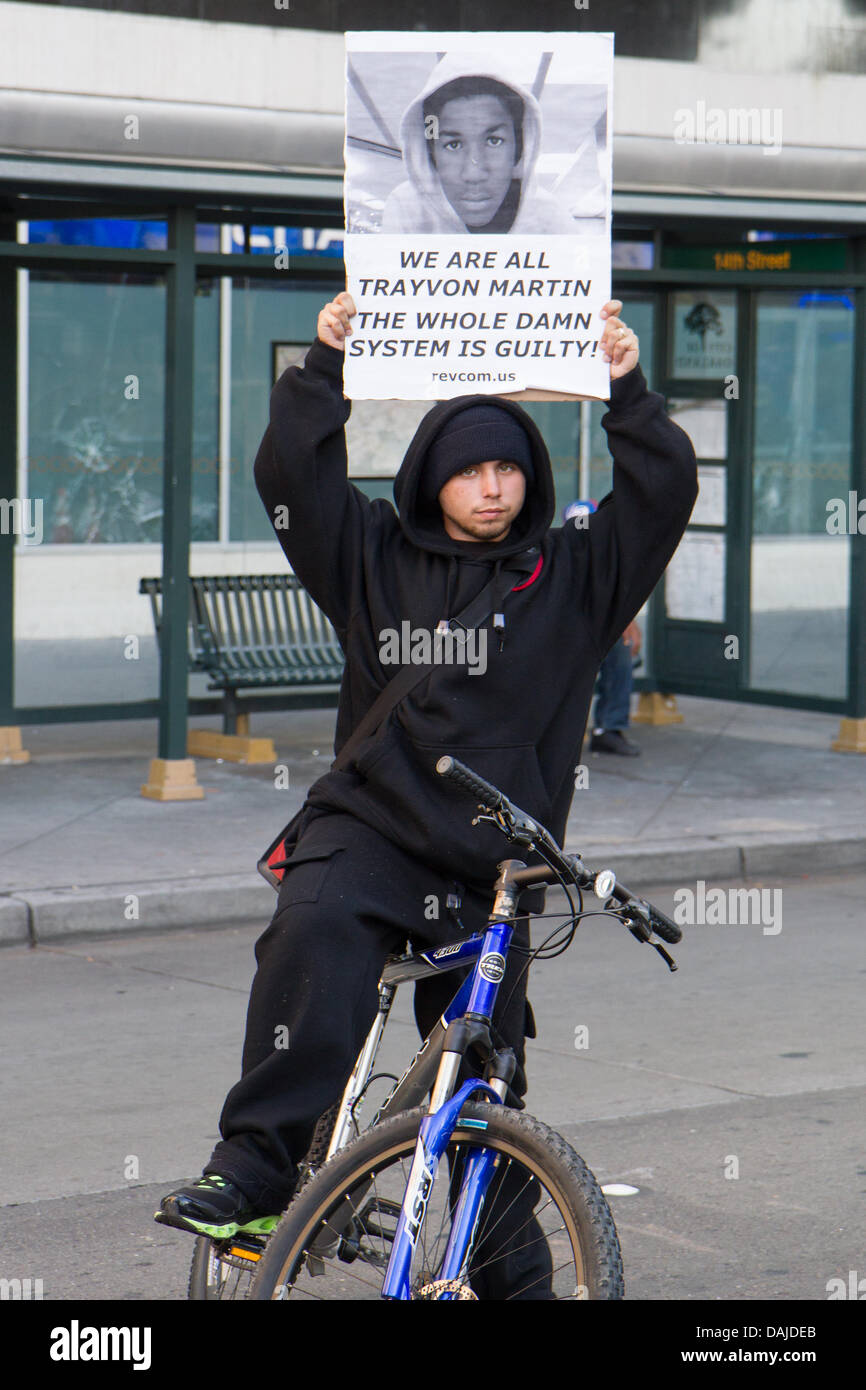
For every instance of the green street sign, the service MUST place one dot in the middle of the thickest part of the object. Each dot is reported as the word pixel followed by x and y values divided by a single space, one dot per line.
pixel 818 253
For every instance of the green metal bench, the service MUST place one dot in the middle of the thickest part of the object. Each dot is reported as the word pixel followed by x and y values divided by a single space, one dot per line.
pixel 255 632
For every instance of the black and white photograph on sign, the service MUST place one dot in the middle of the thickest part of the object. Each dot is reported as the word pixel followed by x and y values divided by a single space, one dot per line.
pixel 478 214
pixel 466 142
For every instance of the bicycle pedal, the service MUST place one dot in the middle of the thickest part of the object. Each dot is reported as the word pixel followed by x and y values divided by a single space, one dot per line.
pixel 246 1251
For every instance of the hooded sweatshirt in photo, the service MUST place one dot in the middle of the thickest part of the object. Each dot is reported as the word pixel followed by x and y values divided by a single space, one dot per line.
pixel 520 723
pixel 420 206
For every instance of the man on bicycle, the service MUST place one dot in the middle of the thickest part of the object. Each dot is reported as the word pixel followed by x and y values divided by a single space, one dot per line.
pixel 384 838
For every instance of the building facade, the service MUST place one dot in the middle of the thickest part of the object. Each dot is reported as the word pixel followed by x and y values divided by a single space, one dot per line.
pixel 170 224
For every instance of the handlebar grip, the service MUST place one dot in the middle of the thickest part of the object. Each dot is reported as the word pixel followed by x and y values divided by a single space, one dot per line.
pixel 661 925
pixel 470 781
pixel 664 927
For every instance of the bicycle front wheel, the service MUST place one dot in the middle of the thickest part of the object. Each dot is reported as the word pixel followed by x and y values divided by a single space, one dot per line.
pixel 545 1230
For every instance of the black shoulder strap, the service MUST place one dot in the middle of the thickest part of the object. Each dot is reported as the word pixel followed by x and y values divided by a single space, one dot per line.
pixel 488 601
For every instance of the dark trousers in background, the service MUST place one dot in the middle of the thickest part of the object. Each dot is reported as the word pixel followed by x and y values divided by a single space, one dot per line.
pixel 615 680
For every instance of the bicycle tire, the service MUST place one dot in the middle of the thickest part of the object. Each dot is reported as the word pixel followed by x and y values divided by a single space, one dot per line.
pixel 318 1150
pixel 333 1243
pixel 216 1273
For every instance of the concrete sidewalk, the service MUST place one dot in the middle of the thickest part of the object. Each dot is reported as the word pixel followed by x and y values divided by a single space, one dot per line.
pixel 737 791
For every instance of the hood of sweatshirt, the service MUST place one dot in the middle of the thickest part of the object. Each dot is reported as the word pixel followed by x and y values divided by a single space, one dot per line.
pixel 416 146
pixel 423 526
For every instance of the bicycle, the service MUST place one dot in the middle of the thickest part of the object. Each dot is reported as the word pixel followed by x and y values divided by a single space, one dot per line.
pixel 513 1207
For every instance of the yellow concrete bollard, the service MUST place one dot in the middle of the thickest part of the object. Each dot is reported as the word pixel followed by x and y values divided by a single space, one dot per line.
pixel 10 746
pixel 851 737
pixel 656 708
pixel 232 748
pixel 172 779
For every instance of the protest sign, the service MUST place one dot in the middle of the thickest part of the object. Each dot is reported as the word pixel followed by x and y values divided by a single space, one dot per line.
pixel 478 187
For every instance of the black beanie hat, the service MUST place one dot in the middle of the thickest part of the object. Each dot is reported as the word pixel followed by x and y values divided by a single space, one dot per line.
pixel 475 435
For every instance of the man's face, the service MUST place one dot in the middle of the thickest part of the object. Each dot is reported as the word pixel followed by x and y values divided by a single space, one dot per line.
pixel 481 502
pixel 475 156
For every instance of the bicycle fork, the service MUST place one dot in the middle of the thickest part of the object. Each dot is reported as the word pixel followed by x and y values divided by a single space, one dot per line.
pixel 439 1124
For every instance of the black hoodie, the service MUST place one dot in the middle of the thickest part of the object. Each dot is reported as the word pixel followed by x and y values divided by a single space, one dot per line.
pixel 520 724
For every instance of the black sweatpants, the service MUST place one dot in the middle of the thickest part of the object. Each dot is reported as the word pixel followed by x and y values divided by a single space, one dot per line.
pixel 349 899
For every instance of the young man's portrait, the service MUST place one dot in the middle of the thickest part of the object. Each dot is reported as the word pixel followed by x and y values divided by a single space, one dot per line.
pixel 476 152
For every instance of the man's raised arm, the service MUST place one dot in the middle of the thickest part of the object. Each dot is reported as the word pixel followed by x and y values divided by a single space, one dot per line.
pixel 628 542
pixel 301 470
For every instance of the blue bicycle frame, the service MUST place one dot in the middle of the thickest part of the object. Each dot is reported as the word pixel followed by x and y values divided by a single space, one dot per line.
pixel 477 996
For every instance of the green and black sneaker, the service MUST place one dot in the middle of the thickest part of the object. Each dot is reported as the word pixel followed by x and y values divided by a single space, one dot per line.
pixel 213 1206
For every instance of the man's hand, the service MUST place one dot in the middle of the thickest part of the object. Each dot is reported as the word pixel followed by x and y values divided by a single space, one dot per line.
pixel 618 342
pixel 333 326
pixel 632 639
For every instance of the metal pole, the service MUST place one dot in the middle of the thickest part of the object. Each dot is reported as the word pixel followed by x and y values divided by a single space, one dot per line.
pixel 225 387
pixel 8 470
pixel 24 369
pixel 585 460
pixel 177 478
pixel 857 591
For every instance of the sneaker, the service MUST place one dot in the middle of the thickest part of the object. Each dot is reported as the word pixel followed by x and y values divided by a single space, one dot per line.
pixel 213 1206
pixel 613 741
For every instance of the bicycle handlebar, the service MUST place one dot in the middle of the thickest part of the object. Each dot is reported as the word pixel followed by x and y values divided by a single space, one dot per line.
pixel 458 772
pixel 654 918
pixel 493 800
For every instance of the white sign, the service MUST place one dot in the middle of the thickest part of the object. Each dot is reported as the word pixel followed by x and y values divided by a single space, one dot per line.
pixel 706 424
pixel 705 334
pixel 478 186
pixel 710 509
pixel 695 578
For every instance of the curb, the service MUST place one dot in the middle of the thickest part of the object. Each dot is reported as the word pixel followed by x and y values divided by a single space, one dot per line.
pixel 805 855
pixel 751 857
pixel 29 917
pixel 14 921
pixel 666 862
pixel 215 900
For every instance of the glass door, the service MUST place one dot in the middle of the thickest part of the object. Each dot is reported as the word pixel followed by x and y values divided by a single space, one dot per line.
pixel 802 517
pixel 699 620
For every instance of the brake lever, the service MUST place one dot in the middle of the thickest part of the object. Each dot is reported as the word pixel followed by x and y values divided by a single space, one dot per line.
pixel 642 931
pixel 521 832
pixel 671 963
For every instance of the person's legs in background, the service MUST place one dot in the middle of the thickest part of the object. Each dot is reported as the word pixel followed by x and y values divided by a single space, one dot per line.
pixel 613 702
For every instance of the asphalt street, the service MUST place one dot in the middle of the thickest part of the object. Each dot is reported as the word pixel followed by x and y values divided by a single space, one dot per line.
pixel 729 1095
